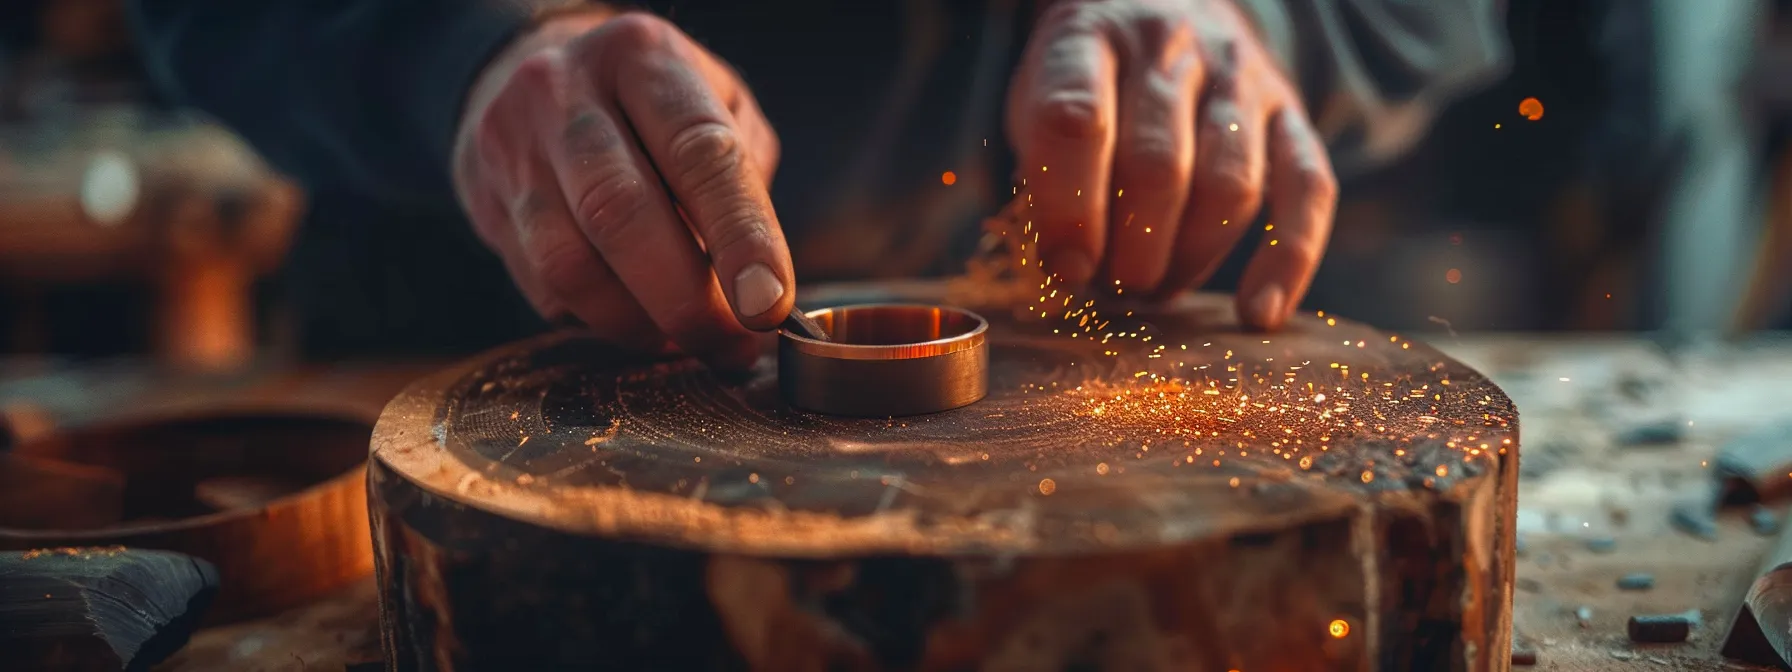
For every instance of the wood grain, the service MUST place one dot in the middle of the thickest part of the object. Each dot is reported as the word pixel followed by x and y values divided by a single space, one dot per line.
pixel 99 608
pixel 1327 497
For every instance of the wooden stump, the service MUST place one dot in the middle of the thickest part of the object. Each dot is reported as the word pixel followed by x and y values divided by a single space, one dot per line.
pixel 1324 498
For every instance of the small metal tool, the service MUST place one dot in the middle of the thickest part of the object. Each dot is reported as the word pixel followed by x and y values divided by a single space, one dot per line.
pixel 886 360
pixel 801 324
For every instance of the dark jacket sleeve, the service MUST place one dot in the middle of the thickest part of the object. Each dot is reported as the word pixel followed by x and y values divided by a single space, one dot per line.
pixel 1374 73
pixel 361 95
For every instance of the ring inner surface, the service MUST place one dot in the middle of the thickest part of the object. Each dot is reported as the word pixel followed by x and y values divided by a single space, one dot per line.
pixel 894 325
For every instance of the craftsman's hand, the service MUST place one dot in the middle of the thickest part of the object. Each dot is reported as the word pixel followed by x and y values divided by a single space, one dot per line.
pixel 1149 133
pixel 620 169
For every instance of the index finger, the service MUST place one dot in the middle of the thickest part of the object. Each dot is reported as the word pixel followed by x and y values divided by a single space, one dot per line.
pixel 698 148
pixel 1303 198
pixel 1061 120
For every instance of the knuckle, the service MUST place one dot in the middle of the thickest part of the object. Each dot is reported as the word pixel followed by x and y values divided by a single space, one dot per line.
pixel 740 228
pixel 525 208
pixel 1231 187
pixel 1067 117
pixel 1303 252
pixel 1318 184
pixel 563 269
pixel 532 74
pixel 631 33
pixel 611 209
pixel 1085 16
pixel 588 136
pixel 705 152
pixel 1151 166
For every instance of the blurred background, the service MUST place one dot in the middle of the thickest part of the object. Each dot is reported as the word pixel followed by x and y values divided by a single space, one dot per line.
pixel 1646 187
pixel 1627 185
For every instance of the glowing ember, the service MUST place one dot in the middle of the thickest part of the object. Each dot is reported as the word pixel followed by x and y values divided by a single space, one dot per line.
pixel 1530 108
pixel 1339 629
pixel 948 178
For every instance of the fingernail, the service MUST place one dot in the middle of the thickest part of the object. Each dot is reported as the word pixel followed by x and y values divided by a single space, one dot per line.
pixel 756 290
pixel 1070 265
pixel 1266 306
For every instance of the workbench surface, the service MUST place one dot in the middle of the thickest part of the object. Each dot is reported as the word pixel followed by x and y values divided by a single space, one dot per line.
pixel 1577 396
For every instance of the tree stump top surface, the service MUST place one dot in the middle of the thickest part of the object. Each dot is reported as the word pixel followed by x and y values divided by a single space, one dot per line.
pixel 1202 431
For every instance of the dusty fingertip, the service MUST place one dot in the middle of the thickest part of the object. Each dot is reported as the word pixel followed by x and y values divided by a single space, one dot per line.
pixel 1266 308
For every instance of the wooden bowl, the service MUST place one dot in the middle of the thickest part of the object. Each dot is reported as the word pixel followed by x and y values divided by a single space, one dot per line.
pixel 275 498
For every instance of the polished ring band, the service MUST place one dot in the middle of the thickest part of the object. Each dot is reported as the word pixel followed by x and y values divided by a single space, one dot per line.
pixel 886 360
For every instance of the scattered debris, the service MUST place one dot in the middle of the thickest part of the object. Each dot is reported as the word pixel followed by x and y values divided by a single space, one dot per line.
pixel 1756 463
pixel 1659 432
pixel 1696 520
pixel 1529 585
pixel 1636 581
pixel 1662 628
pixel 1635 388
pixel 1585 616
pixel 1764 520
pixel 1545 458
pixel 1621 654
pixel 1524 656
pixel 1602 544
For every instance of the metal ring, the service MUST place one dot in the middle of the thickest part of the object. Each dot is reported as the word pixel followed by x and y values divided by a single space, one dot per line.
pixel 886 360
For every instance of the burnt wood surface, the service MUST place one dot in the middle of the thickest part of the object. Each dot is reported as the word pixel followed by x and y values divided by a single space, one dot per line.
pixel 82 609
pixel 1324 497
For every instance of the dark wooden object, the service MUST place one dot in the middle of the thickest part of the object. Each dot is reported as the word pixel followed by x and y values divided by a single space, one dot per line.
pixel 99 608
pixel 1759 633
pixel 1252 502
pixel 275 499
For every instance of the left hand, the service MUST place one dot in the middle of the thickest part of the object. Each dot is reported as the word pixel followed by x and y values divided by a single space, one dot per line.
pixel 1148 131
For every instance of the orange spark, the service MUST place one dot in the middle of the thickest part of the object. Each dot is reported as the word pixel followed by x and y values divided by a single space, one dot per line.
pixel 1530 108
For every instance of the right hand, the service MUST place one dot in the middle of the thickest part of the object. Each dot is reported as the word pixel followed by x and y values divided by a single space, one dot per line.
pixel 619 169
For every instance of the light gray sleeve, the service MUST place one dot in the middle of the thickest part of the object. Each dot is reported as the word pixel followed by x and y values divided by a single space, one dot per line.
pixel 1374 73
